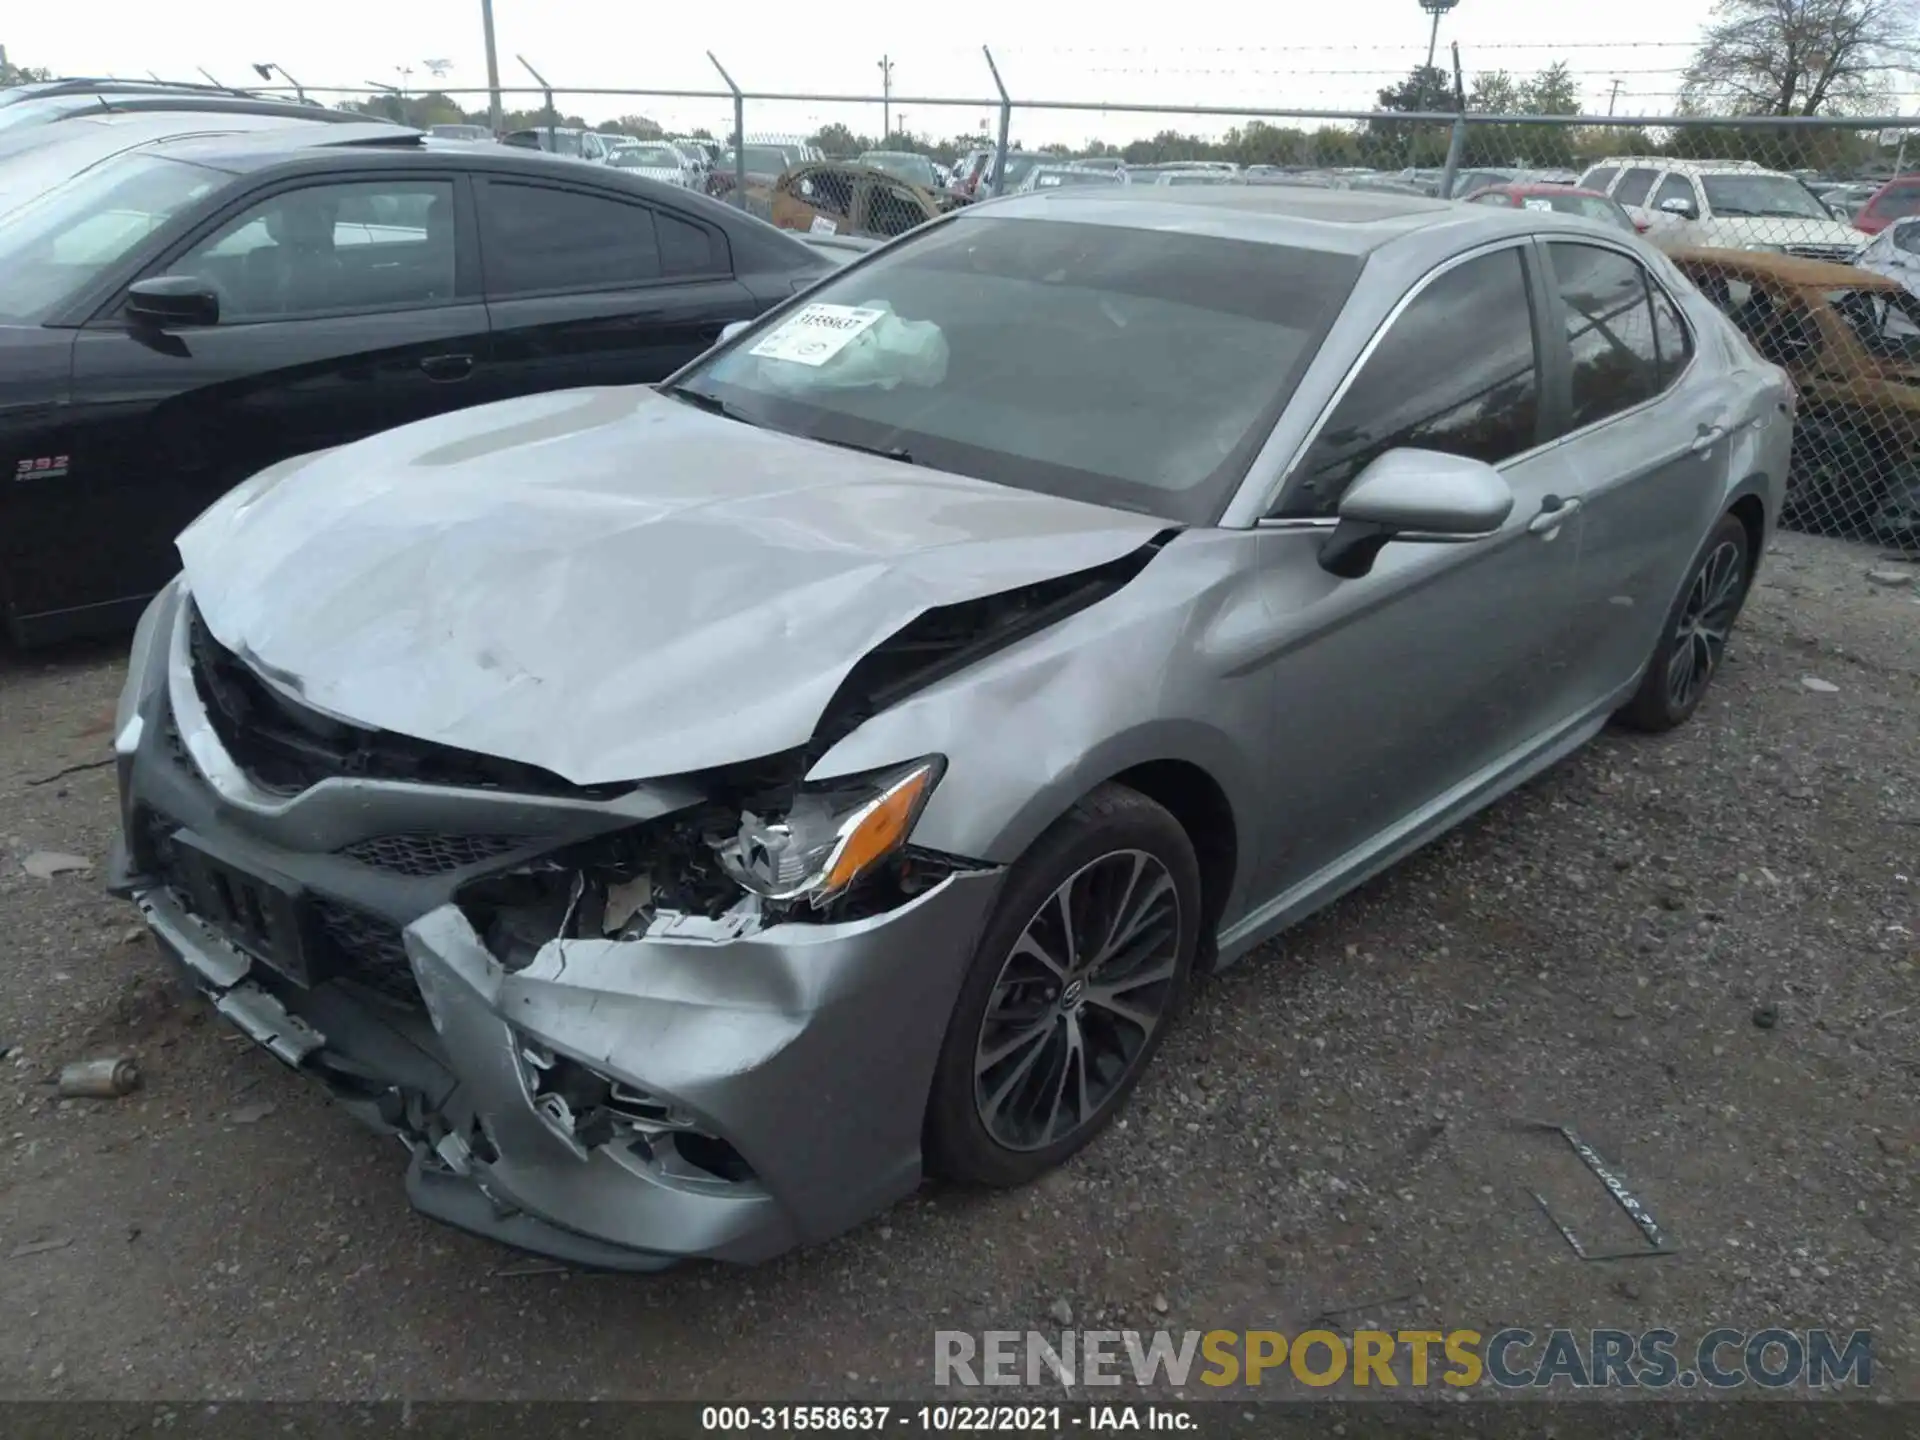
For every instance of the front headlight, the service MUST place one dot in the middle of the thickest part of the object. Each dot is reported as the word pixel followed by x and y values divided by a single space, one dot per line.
pixel 834 833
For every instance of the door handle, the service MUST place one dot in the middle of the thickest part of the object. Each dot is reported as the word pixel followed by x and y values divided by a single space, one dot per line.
pixel 1709 436
pixel 447 367
pixel 1554 512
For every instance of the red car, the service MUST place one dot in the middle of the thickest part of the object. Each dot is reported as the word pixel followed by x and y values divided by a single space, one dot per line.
pixel 1567 199
pixel 1895 200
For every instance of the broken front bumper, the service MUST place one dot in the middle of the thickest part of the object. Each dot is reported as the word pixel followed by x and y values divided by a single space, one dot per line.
pixel 803 1053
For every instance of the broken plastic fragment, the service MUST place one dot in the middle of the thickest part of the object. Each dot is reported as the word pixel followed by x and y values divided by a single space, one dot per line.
pixel 624 901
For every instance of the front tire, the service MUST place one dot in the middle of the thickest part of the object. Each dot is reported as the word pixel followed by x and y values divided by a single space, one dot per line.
pixel 1693 640
pixel 1076 979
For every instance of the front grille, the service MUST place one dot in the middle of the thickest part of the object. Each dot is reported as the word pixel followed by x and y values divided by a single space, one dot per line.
pixel 1835 254
pixel 286 747
pixel 421 855
pixel 366 949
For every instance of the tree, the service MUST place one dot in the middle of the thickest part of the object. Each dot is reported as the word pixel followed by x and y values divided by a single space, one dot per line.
pixel 1494 92
pixel 1551 92
pixel 1801 57
pixel 1427 89
pixel 11 74
pixel 839 142
pixel 638 126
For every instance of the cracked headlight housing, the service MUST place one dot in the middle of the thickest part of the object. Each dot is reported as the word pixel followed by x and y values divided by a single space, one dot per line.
pixel 834 833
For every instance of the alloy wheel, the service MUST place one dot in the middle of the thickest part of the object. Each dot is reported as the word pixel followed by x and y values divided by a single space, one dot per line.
pixel 1078 998
pixel 1700 637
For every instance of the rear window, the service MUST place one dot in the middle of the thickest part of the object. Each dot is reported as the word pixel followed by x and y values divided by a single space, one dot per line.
pixel 1135 368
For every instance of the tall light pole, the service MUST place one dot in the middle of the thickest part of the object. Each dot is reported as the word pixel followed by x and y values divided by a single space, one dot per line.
pixel 1435 8
pixel 886 97
pixel 493 69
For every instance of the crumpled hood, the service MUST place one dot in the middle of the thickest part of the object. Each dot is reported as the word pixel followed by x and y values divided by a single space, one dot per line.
pixel 609 584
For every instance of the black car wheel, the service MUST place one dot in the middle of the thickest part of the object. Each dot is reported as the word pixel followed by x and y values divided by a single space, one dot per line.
pixel 1694 639
pixel 1076 978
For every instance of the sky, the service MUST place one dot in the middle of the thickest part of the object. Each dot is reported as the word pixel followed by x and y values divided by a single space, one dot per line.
pixel 1308 54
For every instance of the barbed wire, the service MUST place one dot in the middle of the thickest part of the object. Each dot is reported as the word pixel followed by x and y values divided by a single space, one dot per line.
pixel 1409 48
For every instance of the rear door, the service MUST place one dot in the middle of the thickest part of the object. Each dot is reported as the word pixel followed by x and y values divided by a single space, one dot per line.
pixel 592 287
pixel 348 305
pixel 1649 435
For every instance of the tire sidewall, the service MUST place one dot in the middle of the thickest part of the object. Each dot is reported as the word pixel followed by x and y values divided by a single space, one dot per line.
pixel 957 1142
pixel 1728 529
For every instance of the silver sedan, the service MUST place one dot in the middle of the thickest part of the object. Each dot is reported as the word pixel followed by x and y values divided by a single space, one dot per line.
pixel 688 816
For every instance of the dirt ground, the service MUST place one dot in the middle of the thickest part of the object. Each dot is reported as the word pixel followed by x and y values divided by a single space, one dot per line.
pixel 1699 951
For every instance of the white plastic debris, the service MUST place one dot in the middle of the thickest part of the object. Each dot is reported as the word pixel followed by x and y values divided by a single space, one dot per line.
pixel 45 864
pixel 1889 576
pixel 1819 686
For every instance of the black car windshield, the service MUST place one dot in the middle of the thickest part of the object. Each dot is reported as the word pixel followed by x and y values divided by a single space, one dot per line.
pixel 60 242
pixel 1135 368
pixel 1762 195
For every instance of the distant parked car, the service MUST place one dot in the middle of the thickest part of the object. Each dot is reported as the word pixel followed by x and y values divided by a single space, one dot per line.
pixel 176 318
pixel 1723 204
pixel 1567 199
pixel 841 198
pixel 460 132
pixel 1053 177
pixel 657 160
pixel 587 145
pixel 1895 200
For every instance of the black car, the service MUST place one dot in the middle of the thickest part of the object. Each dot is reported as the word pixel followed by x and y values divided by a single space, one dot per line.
pixel 178 317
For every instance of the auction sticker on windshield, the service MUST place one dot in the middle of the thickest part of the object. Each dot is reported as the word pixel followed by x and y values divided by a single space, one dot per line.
pixel 817 333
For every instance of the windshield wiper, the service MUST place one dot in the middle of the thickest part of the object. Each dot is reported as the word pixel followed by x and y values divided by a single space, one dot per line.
pixel 884 452
pixel 712 404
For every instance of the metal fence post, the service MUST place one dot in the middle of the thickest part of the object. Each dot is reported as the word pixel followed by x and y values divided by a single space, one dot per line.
pixel 546 93
pixel 1456 149
pixel 739 134
pixel 1006 124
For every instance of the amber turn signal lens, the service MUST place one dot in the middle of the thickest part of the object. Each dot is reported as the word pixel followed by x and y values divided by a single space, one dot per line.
pixel 878 829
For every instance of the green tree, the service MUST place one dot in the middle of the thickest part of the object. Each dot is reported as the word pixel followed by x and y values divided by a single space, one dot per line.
pixel 1494 92
pixel 12 74
pixel 1391 143
pixel 1553 91
pixel 839 142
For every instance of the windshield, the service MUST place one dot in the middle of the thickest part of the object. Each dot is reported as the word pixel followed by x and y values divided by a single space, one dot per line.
pixel 59 243
pixel 653 157
pixel 1761 195
pixel 1047 179
pixel 916 169
pixel 761 160
pixel 1140 369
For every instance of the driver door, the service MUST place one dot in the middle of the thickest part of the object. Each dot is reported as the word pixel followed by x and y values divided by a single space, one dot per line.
pixel 1401 691
pixel 346 307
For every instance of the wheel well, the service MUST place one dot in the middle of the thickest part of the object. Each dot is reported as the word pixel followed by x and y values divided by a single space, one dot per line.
pixel 1196 800
pixel 1752 516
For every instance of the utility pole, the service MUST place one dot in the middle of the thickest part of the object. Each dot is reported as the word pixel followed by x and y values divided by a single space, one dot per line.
pixel 886 97
pixel 493 69
pixel 1613 99
pixel 1435 8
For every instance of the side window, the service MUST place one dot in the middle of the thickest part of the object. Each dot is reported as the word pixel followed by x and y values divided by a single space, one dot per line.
pixel 1634 186
pixel 1671 336
pixel 1599 177
pixel 1675 187
pixel 331 249
pixel 687 249
pixel 1456 372
pixel 1616 363
pixel 536 239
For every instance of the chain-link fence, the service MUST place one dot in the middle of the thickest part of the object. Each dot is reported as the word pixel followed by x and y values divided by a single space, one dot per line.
pixel 1806 232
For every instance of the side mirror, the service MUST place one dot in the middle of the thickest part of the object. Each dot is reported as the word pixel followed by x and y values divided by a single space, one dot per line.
pixel 173 302
pixel 733 328
pixel 1416 495
pixel 1677 206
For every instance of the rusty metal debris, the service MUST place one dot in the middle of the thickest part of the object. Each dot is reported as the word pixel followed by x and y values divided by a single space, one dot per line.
pixel 1636 1212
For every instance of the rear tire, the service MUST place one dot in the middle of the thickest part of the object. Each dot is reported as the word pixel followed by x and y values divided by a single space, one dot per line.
pixel 1076 980
pixel 1693 639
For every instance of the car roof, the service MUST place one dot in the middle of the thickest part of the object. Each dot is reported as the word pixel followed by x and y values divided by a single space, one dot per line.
pixel 1543 187
pixel 1352 222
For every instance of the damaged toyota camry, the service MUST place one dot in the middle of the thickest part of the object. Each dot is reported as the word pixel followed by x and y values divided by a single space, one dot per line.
pixel 686 816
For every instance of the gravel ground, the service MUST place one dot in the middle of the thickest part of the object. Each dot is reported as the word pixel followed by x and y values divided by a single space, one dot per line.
pixel 1699 951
